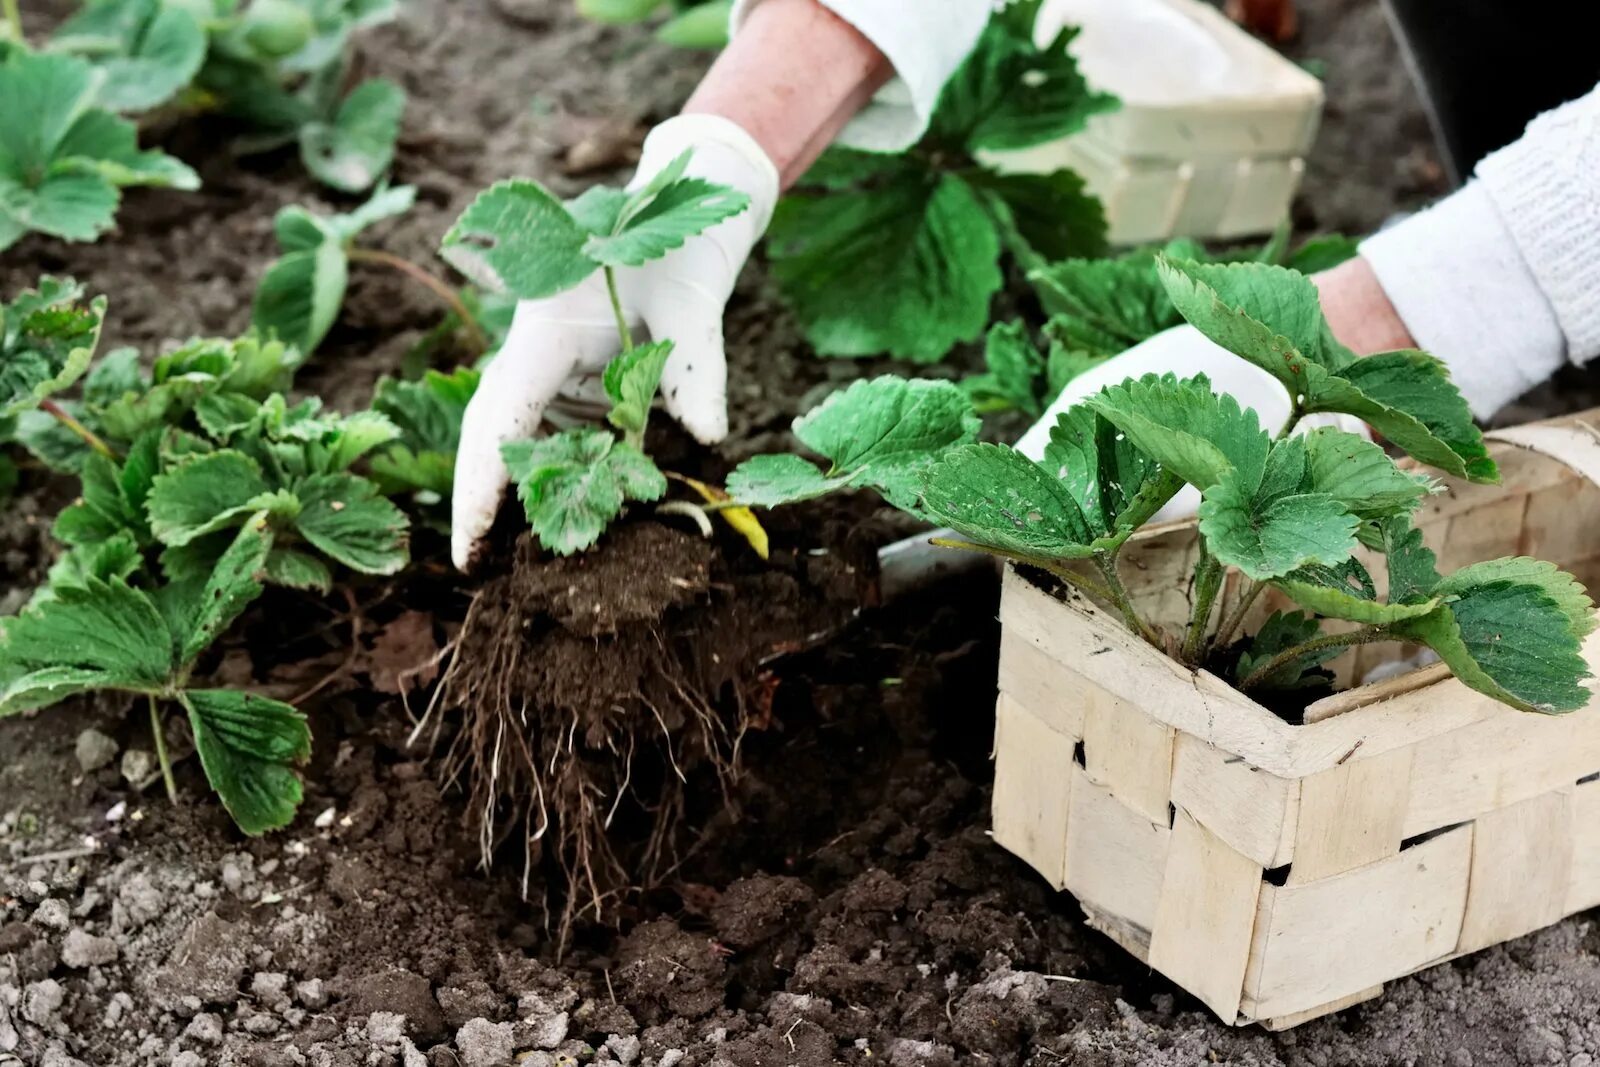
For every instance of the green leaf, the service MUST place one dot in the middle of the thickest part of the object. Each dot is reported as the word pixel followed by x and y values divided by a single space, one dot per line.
pixel 1268 536
pixel 1565 590
pixel 298 570
pixel 618 11
pixel 116 557
pixel 1509 640
pixel 1413 573
pixel 232 586
pixel 47 338
pixel 352 152
pixel 1016 368
pixel 631 381
pixel 343 516
pixel 996 497
pixel 517 238
pixel 883 432
pixel 1360 475
pixel 1196 434
pixel 1323 253
pixel 385 203
pixel 1281 632
pixel 1408 397
pixel 1010 94
pixel 651 228
pixel 146 51
pixel 704 26
pixel 573 484
pixel 1054 215
pixel 1346 592
pixel 299 296
pixel 1117 487
pixel 769 481
pixel 428 411
pixel 104 635
pixel 205 494
pixel 221 415
pixel 247 744
pixel 905 268
pixel 1106 305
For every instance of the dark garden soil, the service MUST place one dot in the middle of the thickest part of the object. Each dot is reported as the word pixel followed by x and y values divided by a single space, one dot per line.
pixel 837 900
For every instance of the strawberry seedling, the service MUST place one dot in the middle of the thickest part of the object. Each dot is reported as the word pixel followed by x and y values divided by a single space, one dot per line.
pixel 63 158
pixel 519 239
pixel 701 24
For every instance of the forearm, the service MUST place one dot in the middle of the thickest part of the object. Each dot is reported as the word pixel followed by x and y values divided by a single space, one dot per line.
pixel 1358 310
pixel 792 77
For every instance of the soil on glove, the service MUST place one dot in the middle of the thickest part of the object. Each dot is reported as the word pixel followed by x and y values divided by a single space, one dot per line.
pixel 837 900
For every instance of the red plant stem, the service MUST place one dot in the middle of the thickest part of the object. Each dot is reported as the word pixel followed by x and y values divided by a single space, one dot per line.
pixel 422 277
pixel 63 416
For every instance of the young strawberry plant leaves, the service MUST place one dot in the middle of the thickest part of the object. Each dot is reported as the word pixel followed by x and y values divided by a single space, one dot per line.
pixel 880 434
pixel 905 268
pixel 47 338
pixel 574 483
pixel 1043 217
pixel 1117 487
pixel 146 50
pixel 1267 534
pixel 1566 591
pixel 1409 398
pixel 62 160
pixel 299 296
pixel 428 414
pixel 516 237
pixel 354 148
pixel 1282 631
pixel 661 215
pixel 1013 381
pixel 1196 434
pixel 1413 570
pixel 247 746
pixel 1360 475
pixel 631 381
pixel 996 497
pixel 104 635
pixel 204 494
pixel 116 557
pixel 1346 592
pixel 343 516
pixel 1509 640
pixel 294 569
pixel 198 613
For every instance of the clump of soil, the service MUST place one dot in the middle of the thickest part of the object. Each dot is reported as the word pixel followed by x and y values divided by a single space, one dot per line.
pixel 593 688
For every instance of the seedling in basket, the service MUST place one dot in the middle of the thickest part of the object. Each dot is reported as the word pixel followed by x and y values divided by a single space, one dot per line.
pixel 1286 512
pixel 519 239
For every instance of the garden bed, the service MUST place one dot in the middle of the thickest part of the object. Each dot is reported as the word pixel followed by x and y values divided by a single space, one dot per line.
pixel 855 910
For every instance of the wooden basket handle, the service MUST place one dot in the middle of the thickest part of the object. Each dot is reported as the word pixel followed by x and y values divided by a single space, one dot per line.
pixel 1575 444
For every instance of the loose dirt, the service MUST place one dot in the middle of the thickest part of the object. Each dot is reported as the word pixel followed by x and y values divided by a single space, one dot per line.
pixel 837 901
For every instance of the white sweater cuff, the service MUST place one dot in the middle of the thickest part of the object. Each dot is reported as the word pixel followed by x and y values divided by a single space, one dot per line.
pixel 1455 276
pixel 1546 186
pixel 924 41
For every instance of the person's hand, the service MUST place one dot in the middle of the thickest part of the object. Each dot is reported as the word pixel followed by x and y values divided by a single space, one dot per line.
pixel 561 344
pixel 1185 352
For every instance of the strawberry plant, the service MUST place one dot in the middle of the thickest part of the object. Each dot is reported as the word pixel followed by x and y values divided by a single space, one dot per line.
pixel 300 294
pixel 518 238
pixel 278 65
pixel 98 632
pixel 689 23
pixel 63 159
pixel 428 414
pixel 901 253
pixel 1286 512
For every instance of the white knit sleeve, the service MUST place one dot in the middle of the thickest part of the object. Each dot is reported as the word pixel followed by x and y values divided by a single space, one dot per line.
pixel 1547 188
pixel 924 40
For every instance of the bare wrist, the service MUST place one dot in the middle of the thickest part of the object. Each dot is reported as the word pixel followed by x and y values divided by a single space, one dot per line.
pixel 792 76
pixel 1358 310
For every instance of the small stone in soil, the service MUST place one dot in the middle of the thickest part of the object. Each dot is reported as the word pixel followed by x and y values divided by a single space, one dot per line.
pixel 205 1028
pixel 482 1043
pixel 94 750
pixel 53 914
pixel 82 949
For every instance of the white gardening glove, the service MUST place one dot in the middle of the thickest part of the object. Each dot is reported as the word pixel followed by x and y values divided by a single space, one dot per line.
pixel 1185 352
pixel 562 343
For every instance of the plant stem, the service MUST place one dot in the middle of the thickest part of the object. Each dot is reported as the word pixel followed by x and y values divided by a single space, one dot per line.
pixel 420 275
pixel 1080 582
pixel 1235 618
pixel 1295 415
pixel 1289 655
pixel 13 15
pixel 65 418
pixel 161 749
pixel 1208 575
pixel 616 309
pixel 1107 562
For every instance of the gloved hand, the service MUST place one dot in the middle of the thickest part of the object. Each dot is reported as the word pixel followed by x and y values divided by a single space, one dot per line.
pixel 560 345
pixel 1185 352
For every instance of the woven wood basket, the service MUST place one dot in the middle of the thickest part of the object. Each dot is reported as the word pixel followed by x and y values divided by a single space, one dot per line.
pixel 1280 872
